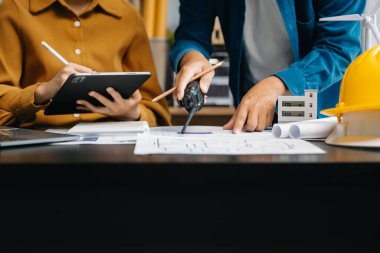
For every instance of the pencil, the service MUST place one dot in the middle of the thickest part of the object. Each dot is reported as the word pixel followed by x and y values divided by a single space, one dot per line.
pixel 192 79
pixel 55 53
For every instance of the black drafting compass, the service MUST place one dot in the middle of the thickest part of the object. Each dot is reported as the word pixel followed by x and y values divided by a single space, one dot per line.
pixel 193 100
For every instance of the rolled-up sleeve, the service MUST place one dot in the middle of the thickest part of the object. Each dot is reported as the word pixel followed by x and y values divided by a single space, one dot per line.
pixel 194 31
pixel 335 46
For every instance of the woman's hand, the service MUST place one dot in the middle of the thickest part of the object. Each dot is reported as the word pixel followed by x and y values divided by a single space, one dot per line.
pixel 119 109
pixel 46 91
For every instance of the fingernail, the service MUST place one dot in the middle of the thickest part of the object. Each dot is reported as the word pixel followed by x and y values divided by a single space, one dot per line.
pixel 91 93
pixel 204 88
pixel 109 89
pixel 237 131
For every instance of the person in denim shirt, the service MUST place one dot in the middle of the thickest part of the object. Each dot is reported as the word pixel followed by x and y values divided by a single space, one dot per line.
pixel 274 46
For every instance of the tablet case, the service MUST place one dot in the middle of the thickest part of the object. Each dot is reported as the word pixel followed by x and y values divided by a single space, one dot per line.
pixel 77 87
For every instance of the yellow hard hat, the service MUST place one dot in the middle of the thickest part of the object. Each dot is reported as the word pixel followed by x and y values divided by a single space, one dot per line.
pixel 358 110
pixel 360 89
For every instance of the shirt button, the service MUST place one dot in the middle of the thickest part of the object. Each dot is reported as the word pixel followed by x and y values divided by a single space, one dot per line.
pixel 76 115
pixel 78 51
pixel 77 24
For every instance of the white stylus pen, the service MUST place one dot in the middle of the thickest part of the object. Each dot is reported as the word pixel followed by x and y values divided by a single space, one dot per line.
pixel 51 50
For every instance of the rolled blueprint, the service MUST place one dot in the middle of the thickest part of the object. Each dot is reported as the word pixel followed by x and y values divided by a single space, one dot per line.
pixel 310 129
pixel 281 130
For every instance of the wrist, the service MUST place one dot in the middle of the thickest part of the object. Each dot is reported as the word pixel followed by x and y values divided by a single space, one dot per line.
pixel 39 94
pixel 133 115
pixel 192 56
pixel 138 115
pixel 278 85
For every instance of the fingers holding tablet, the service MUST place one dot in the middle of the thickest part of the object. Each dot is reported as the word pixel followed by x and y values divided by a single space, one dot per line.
pixel 119 109
pixel 46 91
pixel 95 88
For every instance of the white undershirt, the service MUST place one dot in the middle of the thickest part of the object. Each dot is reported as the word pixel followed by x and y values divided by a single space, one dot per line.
pixel 266 41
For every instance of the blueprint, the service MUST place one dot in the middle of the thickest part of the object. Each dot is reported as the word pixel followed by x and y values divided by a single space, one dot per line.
pixel 220 143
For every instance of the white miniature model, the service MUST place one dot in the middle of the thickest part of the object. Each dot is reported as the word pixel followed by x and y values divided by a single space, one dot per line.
pixel 298 108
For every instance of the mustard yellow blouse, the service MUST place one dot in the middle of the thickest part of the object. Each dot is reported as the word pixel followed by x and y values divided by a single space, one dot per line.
pixel 108 36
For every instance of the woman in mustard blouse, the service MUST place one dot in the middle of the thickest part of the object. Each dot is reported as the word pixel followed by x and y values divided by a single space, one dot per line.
pixel 93 35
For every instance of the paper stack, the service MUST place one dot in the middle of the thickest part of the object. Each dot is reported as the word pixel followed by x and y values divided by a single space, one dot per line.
pixel 109 128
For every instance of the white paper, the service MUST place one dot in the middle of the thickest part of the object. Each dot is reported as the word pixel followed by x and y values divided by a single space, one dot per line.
pixel 224 143
pixel 314 130
pixel 309 129
pixel 106 133
pixel 281 130
pixel 109 128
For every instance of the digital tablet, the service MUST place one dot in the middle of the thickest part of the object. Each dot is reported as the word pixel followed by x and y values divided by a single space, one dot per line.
pixel 78 85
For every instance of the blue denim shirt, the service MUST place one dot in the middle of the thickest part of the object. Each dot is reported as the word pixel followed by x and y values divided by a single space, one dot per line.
pixel 322 50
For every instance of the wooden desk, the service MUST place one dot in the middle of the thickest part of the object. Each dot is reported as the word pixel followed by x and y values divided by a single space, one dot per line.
pixel 208 116
pixel 104 199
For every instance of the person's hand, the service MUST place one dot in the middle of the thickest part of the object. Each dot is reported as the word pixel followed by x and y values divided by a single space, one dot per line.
pixel 119 109
pixel 257 107
pixel 46 91
pixel 192 63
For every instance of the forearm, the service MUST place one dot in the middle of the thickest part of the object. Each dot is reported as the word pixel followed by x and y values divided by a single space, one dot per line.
pixel 197 19
pixel 16 104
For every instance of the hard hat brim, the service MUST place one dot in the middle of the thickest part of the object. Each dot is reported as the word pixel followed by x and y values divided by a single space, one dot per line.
pixel 344 109
pixel 353 141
